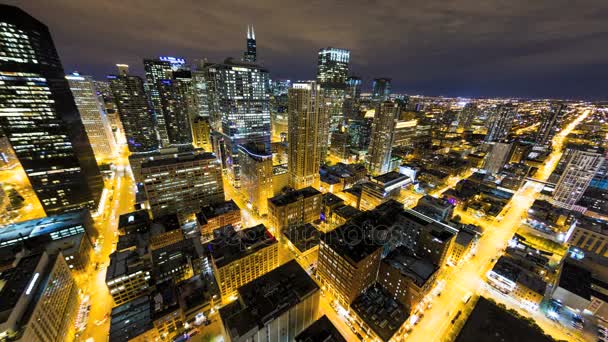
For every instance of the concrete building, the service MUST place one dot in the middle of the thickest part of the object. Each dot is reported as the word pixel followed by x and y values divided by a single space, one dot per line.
pixel 407 277
pixel 256 177
pixel 500 121
pixel 463 245
pixel 39 299
pixel 294 208
pixel 348 263
pixel 589 235
pixel 93 116
pixel 128 276
pixel 182 184
pixel 216 216
pixel 201 133
pixel 497 158
pixel 382 188
pixel 321 330
pixel 306 118
pixel 512 279
pixel 436 208
pixel 275 307
pixel 237 258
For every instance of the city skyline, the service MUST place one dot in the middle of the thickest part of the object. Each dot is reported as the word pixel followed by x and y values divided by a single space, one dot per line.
pixel 458 49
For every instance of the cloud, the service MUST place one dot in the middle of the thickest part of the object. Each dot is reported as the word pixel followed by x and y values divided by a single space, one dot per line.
pixel 425 46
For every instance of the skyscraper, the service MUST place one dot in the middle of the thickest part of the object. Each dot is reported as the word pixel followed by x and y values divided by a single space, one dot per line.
pixel 171 96
pixel 332 66
pixel 250 55
pixel 580 169
pixel 256 176
pixel 381 142
pixel 134 111
pixel 353 84
pixel 93 115
pixel 239 107
pixel 381 89
pixel 39 116
pixel 467 115
pixel 547 127
pixel 500 122
pixel 307 117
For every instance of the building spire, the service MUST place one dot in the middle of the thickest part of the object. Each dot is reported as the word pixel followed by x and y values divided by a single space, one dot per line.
pixel 248 32
pixel 252 33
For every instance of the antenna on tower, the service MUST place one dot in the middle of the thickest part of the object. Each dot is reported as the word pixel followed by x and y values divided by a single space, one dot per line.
pixel 252 33
pixel 248 32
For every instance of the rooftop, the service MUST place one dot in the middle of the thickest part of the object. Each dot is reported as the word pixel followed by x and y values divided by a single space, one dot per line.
pixel 163 300
pixel 464 238
pixel 390 178
pixel 233 245
pixel 294 196
pixel 330 199
pixel 131 319
pixel 347 212
pixel 380 311
pixel 267 298
pixel 488 322
pixel 140 217
pixel 322 330
pixel 419 270
pixel 178 159
pixel 215 210
pixel 14 281
pixel 303 237
pixel 122 263
pixel 351 241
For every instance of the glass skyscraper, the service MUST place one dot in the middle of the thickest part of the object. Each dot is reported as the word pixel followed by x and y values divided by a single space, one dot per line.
pixel 40 119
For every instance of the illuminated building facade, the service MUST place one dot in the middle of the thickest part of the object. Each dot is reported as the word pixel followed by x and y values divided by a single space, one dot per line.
pixel 467 116
pixel 381 142
pixel 294 208
pixel 332 66
pixel 581 167
pixel 353 84
pixel 201 133
pixel 500 121
pixel 134 112
pixel 238 257
pixel 39 117
pixel 256 176
pixel 93 115
pixel 127 276
pixel 307 118
pixel 39 299
pixel 548 125
pixel 240 109
pixel 216 216
pixel 182 184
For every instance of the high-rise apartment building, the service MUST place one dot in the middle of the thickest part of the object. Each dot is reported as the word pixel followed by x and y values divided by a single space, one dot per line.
pixel 381 144
pixel 39 117
pixel 294 208
pixel 250 55
pixel 306 120
pixel 182 184
pixel 381 89
pixel 93 115
pixel 580 168
pixel 547 127
pixel 497 157
pixel 467 115
pixel 240 108
pixel 39 299
pixel 201 133
pixel 500 121
pixel 238 257
pixel 135 114
pixel 256 176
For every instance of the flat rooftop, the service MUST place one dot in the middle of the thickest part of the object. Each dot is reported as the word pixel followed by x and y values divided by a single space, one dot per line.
pixel 330 199
pixel 489 322
pixel 14 281
pixel 390 178
pixel 303 237
pixel 322 330
pixel 13 233
pixel 233 245
pixel 351 241
pixel 464 238
pixel 267 298
pixel 121 263
pixel 215 210
pixel 140 217
pixel 377 308
pixel 293 196
pixel 347 212
pixel 131 319
pixel 419 270
pixel 178 159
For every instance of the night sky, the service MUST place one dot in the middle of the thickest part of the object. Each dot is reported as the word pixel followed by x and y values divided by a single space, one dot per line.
pixel 525 48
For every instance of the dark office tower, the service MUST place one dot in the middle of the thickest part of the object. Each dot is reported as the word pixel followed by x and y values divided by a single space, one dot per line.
pixel 381 89
pixel 134 111
pixel 500 122
pixel 353 86
pixel 176 100
pixel 383 128
pixel 332 66
pixel 306 118
pixel 467 115
pixel 40 119
pixel 159 76
pixel 251 54
pixel 546 130
pixel 239 107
